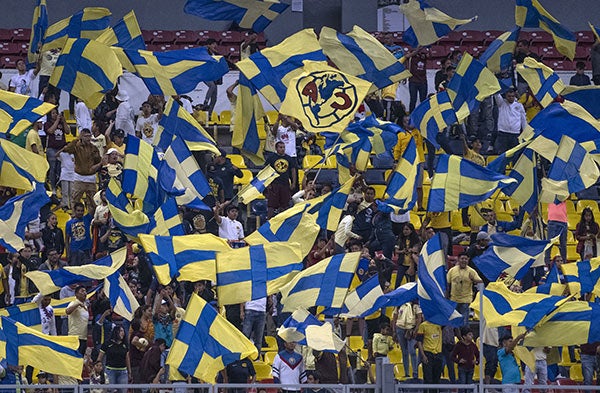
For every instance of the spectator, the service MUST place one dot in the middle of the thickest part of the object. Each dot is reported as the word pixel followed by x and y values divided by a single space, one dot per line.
pixel 541 368
pixel 466 355
pixel 240 371
pixel 78 315
pixel 279 191
pixel 226 171
pixel 511 374
pixel 493 225
pixel 33 142
pixel 102 326
pixel 47 319
pixel 210 100
pixel 98 137
pixel 595 56
pixel 79 236
pixel 407 319
pixel 21 82
pixel 98 377
pixel 87 163
pixel 151 367
pixel 146 125
pixel 461 279
pixel 382 341
pixel 229 227
pixel 83 116
pixel 124 118
pixel 489 339
pixel 118 367
pixel 284 130
pixel 586 233
pixel 47 61
pixel 137 347
pixel 56 129
pixel 407 250
pixel 440 75
pixel 363 225
pixel 254 314
pixel 53 262
pixel 448 343
pixel 580 78
pixel 52 237
pixel 164 315
pixel 429 341
pixel 589 361
pixel 249 45
pixel 558 225
pixel 344 232
pixel 523 51
pixel 417 83
pixel 67 176
pixel 288 367
pixel 511 121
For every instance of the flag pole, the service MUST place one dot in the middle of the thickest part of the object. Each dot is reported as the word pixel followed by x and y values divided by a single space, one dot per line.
pixel 329 154
pixel 480 287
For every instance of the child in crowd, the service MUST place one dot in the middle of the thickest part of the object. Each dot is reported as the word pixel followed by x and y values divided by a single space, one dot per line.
pixel 98 377
pixel 466 355
pixel 67 173
pixel 382 341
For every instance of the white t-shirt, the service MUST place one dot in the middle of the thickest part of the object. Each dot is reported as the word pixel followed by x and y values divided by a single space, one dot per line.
pixel 147 127
pixel 67 166
pixel 288 137
pixel 22 82
pixel 230 229
pixel 257 305
pixel 83 116
pixel 124 118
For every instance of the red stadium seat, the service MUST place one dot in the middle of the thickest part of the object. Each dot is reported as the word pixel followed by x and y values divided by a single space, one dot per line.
pixel 148 36
pixel 190 46
pixel 229 50
pixel 438 51
pixel 9 61
pixel 432 64
pixel 585 36
pixel 472 37
pixel 21 35
pixel 397 37
pixel 491 35
pixel 228 37
pixel 186 36
pixel 166 47
pixel 453 38
pixel 163 37
pixel 154 47
pixel 541 36
pixel 551 53
pixel 204 35
pixel 12 48
pixel 582 53
pixel 476 51
pixel 560 65
pixel 5 35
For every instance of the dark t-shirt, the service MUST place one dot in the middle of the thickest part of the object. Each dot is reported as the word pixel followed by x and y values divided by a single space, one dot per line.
pixel 115 354
pixel 418 69
pixel 240 371
pixel 226 172
pixel 135 355
pixel 284 165
pixel 56 140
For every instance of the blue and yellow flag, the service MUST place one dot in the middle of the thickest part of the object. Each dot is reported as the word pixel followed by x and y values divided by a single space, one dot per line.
pixel 257 185
pixel 122 300
pixel 553 283
pixel 251 273
pixel 360 54
pixel 544 83
pixel 177 122
pixel 323 98
pixel 125 34
pixel 18 112
pixel 16 213
pixel 588 97
pixel 324 284
pixel 530 13
pixel 401 187
pixel 427 24
pixel 471 84
pixel 50 281
pixel 271 70
pixel 186 258
pixel 87 69
pixel 550 125
pixel 526 189
pixel 166 220
pixel 140 174
pixel 181 177
pixel 582 276
pixel 177 71
pixel 88 23
pixel 433 115
pixel 499 54
pixel 431 285
pixel 573 169
pixel 358 153
pixel 459 183
pixel 512 255
pixel 294 225
pixel 206 342
pixel 305 329
pixel 248 14
pixel 328 208
pixel 502 307
pixel 53 354
pixel 596 31
pixel 39 24
pixel 249 110
pixel 20 168
pixel 361 299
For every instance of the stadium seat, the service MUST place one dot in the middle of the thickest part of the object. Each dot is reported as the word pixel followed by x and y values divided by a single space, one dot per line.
pixel 271 344
pixel 10 61
pixel 395 355
pixel 585 37
pixel 571 238
pixel 570 206
pixel 374 176
pixel 575 372
pixel 472 37
pixel 457 222
pixel 225 117
pixel 541 36
pixel 12 48
pixel 551 53
pixel 438 51
pixel 21 35
pixel 415 219
pixel 433 64
pixel 560 65
pixel 582 53
pixel 583 203
pixel 186 36
pixel 231 37
pixel 148 36
pixel 477 51
pixel 491 35
pixel 269 357
pixel 231 51
pixel 5 35
pixel 355 343
pixel 572 254
pixel 263 370
pixel 453 38
pixel 399 372
pixel 163 36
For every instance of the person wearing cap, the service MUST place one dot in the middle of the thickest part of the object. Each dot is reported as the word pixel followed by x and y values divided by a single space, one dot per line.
pixel 111 167
pixel 229 227
pixel 42 378
pixel 87 163
pixel 124 118
pixel 225 171
pixel 115 138
pixel 476 249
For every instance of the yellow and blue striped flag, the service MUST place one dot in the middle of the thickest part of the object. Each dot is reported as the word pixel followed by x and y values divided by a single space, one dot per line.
pixel 177 71
pixel 88 23
pixel 360 54
pixel 427 24
pixel 181 177
pixel 20 168
pixel 206 342
pixel 361 299
pixel 27 313
pixel 324 98
pixel 572 170
pixel 49 281
pixel 53 354
pixel 125 34
pixel 596 31
pixel 16 213
pixel 502 307
pixel 305 329
pixel 433 115
pixel 176 121
pixel 166 220
pixel 122 300
pixel 401 187
pixel 588 97
pixel 253 272
pixel 499 54
pixel 87 69
pixel 459 183
pixel 431 285
pixel 553 283
pixel 582 276
pixel 248 14
pixel 323 284
pixel 550 125
pixel 249 110
pixel 18 112
pixel 328 208
pixel 513 255
pixel 186 258
pixel 140 174
pixel 257 185
pixel 527 189
pixel 358 153
pixel 271 70
pixel 472 83
pixel 294 225
pixel 530 13
pixel 544 83
pixel 39 24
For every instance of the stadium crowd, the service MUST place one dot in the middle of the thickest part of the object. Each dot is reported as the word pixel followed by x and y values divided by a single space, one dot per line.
pixel 76 228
